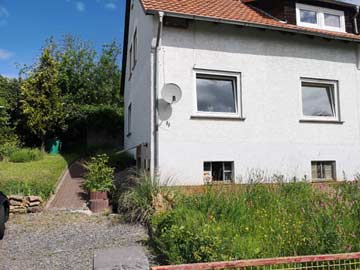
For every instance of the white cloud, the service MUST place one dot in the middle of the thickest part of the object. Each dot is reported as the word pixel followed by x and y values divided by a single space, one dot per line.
pixel 5 54
pixel 80 6
pixel 111 6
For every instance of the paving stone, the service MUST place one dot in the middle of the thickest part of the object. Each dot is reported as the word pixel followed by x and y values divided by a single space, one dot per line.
pixel 123 258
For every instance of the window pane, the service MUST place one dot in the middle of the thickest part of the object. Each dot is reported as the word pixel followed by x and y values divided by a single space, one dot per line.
pixel 308 16
pixel 207 166
pixel 216 95
pixel 228 166
pixel 318 100
pixel 332 20
pixel 217 171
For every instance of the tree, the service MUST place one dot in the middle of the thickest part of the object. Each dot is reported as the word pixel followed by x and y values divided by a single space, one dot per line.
pixel 42 104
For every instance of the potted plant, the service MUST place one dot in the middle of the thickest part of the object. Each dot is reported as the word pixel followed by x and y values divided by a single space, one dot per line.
pixel 99 182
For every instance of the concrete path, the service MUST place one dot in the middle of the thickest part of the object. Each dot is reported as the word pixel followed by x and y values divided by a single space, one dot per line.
pixel 70 195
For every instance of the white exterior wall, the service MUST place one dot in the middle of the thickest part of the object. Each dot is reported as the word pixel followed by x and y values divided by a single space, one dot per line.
pixel 271 138
pixel 138 88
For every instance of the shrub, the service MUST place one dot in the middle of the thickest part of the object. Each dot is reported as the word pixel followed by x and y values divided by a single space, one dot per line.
pixel 137 202
pixel 121 160
pixel 99 176
pixel 26 155
pixel 142 196
pixel 8 147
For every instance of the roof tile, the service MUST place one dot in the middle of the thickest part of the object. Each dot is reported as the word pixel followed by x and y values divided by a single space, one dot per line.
pixel 233 10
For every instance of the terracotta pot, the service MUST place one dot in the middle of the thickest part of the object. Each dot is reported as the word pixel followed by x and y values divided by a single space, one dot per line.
pixel 98 195
pixel 98 206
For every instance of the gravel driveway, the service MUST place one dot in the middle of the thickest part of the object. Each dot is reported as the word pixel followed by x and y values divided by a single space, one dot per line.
pixel 62 240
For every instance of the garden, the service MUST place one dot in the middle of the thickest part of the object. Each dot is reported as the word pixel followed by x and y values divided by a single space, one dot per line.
pixel 67 93
pixel 245 222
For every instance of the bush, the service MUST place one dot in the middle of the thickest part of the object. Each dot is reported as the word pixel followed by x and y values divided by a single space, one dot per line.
pixel 259 221
pixel 26 155
pixel 137 202
pixel 7 148
pixel 121 160
pixel 100 176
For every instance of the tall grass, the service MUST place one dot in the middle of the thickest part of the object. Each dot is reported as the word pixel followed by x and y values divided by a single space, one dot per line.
pixel 259 221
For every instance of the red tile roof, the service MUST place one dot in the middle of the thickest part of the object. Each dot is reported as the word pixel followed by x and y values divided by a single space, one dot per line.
pixel 237 12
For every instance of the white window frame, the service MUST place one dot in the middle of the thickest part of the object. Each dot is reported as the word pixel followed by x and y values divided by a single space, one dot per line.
pixel 334 170
pixel 224 171
pixel 335 86
pixel 320 12
pixel 238 100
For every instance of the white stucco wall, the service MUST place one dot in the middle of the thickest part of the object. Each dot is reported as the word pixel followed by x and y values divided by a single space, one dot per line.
pixel 138 88
pixel 271 138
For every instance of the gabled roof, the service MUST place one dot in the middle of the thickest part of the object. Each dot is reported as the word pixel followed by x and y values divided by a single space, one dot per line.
pixel 234 12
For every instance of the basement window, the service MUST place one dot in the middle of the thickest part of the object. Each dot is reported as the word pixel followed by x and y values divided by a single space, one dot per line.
pixel 319 100
pixel 218 94
pixel 320 18
pixel 218 171
pixel 323 170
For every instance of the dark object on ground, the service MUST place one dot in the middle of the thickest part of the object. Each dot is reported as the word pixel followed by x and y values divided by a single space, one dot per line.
pixel 4 213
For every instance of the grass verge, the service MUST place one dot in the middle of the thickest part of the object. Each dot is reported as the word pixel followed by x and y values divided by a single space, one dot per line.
pixel 35 177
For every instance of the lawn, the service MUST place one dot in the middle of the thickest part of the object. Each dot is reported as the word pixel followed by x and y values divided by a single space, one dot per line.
pixel 33 178
pixel 258 221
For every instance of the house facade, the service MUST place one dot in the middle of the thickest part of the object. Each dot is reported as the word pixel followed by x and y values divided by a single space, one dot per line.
pixel 270 86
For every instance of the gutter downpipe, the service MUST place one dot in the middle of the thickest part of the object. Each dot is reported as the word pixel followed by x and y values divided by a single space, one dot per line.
pixel 155 94
pixel 356 21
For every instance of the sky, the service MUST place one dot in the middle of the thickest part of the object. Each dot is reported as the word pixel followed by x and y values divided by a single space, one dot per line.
pixel 26 24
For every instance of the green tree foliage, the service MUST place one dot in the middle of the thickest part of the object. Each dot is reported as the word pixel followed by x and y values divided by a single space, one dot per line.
pixel 85 78
pixel 42 103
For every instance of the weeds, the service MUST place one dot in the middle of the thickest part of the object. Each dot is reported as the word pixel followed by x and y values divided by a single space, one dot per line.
pixel 259 221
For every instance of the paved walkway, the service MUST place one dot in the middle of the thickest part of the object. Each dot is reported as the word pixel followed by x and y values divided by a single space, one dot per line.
pixel 70 194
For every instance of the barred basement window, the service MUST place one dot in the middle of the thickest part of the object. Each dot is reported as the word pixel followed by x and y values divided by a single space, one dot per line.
pixel 218 171
pixel 323 170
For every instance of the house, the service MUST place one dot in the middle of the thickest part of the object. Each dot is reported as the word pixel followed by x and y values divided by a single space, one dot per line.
pixel 271 85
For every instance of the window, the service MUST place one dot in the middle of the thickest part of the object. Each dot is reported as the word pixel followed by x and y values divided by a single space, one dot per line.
pixel 323 170
pixel 319 100
pixel 129 120
pixel 218 94
pixel 218 171
pixel 135 49
pixel 320 18
pixel 308 16
pixel 131 60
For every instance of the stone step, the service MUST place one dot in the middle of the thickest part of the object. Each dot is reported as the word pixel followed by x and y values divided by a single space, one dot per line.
pixel 122 258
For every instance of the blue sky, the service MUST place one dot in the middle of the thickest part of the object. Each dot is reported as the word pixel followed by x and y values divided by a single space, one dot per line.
pixel 26 24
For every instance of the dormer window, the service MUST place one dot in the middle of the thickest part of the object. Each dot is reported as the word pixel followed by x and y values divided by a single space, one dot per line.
pixel 320 18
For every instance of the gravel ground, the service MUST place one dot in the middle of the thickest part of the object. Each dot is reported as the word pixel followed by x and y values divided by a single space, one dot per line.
pixel 62 240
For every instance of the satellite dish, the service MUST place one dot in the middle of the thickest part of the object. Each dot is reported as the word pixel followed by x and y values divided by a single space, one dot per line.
pixel 171 93
pixel 165 110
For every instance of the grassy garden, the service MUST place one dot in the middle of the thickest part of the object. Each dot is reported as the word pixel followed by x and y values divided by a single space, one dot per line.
pixel 254 221
pixel 37 177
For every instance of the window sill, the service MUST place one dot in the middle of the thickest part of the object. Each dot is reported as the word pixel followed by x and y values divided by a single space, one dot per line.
pixel 216 117
pixel 319 121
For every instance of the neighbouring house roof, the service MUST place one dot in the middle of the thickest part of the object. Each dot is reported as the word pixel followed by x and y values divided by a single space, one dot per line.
pixel 234 12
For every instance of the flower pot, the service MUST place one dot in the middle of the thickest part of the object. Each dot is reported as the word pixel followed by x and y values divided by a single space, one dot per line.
pixel 99 201
pixel 98 195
